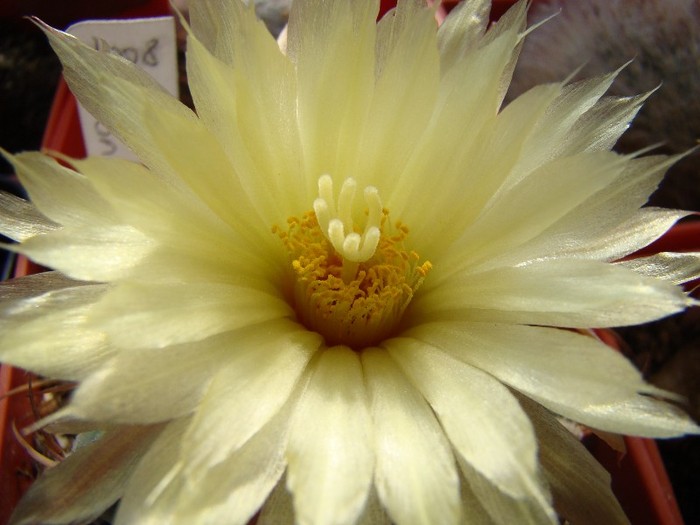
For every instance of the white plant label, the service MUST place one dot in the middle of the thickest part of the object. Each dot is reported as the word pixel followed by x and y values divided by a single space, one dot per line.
pixel 150 43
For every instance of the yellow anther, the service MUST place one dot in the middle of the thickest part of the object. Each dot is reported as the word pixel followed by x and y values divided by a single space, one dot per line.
pixel 359 302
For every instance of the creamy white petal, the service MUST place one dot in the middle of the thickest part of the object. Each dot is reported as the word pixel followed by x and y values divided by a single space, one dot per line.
pixel 572 368
pixel 47 332
pixel 640 178
pixel 406 76
pixel 330 444
pixel 160 492
pixel 234 490
pixel 489 159
pixel 20 220
pixel 609 224
pixel 166 136
pixel 240 116
pixel 573 375
pixel 513 23
pixel 637 415
pixel 492 161
pixel 480 416
pixel 279 507
pixel 90 253
pixel 231 31
pixel 193 153
pixel 26 295
pixel 169 264
pixel 135 507
pixel 601 126
pixel 533 508
pixel 674 267
pixel 568 467
pixel 415 474
pixel 596 237
pixel 549 139
pixel 568 293
pixel 519 214
pixel 92 76
pixel 62 194
pixel 58 345
pixel 333 102
pixel 92 478
pixel 171 214
pixel 94 243
pixel 244 89
pixel 473 513
pixel 450 142
pixel 374 513
pixel 141 315
pixel 263 369
pixel 462 30
pixel 151 385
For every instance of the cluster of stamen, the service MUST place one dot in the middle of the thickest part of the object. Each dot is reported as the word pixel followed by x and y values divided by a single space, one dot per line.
pixel 350 284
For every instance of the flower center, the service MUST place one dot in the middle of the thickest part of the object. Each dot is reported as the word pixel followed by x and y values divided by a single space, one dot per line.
pixel 351 283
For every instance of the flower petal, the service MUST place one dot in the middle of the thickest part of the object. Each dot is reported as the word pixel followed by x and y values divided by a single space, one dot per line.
pixel 61 194
pixel 152 469
pixel 140 315
pixel 206 169
pixel 133 387
pixel 166 136
pixel 415 474
pixel 677 268
pixel 443 150
pixel 573 368
pixel 333 102
pixel 89 253
pixel 567 293
pixel 462 30
pixel 406 76
pixel 14 293
pixel 173 215
pixel 506 509
pixel 473 513
pixel 329 453
pixel 279 507
pixel 519 214
pixel 45 331
pixel 571 374
pixel 20 220
pixel 480 416
pixel 259 376
pixel 635 416
pixel 568 467
pixel 609 224
pixel 234 490
pixel 88 481
pixel 555 135
pixel 244 89
pixel 374 513
pixel 598 235
pixel 94 244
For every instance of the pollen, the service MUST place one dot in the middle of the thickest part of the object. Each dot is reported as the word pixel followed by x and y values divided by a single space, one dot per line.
pixel 351 282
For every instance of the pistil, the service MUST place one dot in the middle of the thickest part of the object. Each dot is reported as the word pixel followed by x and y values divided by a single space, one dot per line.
pixel 338 226
pixel 350 284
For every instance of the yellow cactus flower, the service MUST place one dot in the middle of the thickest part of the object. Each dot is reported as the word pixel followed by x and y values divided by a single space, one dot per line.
pixel 339 291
